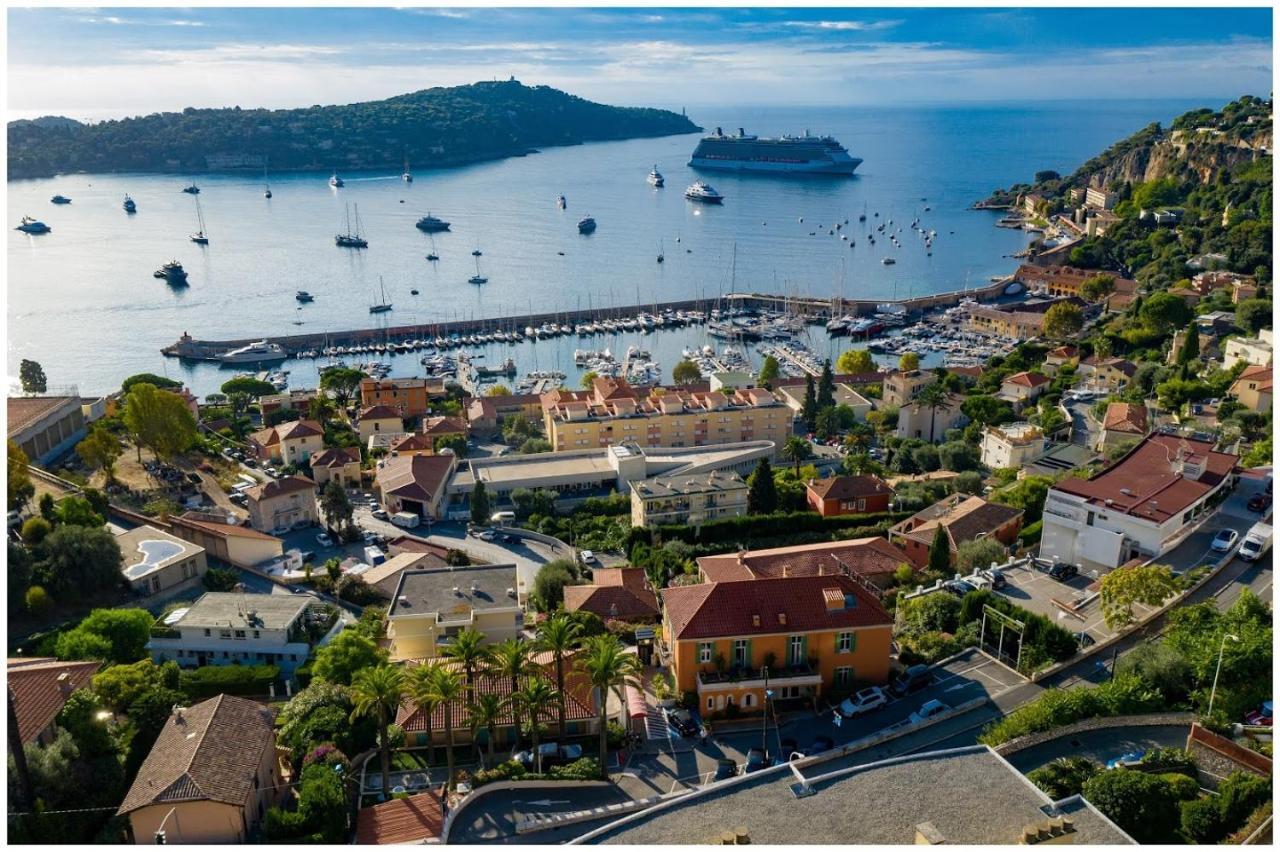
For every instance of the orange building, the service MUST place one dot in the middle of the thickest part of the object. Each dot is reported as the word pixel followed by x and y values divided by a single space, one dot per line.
pixel 804 634
pixel 848 495
pixel 411 397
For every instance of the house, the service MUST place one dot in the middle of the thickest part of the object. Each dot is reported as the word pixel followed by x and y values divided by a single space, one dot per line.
pixel 1033 203
pixel 613 412
pixel 1123 422
pixel 962 519
pixel 689 499
pixel 435 428
pixel 381 443
pixel 873 560
pixel 1188 295
pixel 38 688
pixel 901 386
pixel 1242 290
pixel 288 443
pixel 155 561
pixel 294 400
pixel 1104 199
pixel 1011 445
pixel 1099 222
pixel 1023 388
pixel 45 427
pixel 1068 280
pixel 414 483
pixel 210 776
pixel 229 628
pixel 279 505
pixel 1205 283
pixel 1059 459
pixel 337 464
pixel 921 421
pixel 1208 343
pixel 240 546
pixel 1255 351
pixel 410 397
pixel 1105 374
pixel 410 444
pixel 812 633
pixel 615 593
pixel 385 578
pixel 430 607
pixel 1141 506
pixel 1059 357
pixel 793 396
pixel 1253 389
pixel 486 413
pixel 848 495
pixel 378 419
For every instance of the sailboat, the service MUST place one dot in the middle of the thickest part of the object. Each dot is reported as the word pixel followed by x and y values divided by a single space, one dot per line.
pixel 407 177
pixel 266 187
pixel 200 238
pixel 477 278
pixel 431 255
pixel 351 239
pixel 661 257
pixel 384 305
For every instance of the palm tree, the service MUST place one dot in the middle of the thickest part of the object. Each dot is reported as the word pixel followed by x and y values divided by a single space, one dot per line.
pixel 607 666
pixel 468 650
pixel 796 450
pixel 512 659
pixel 535 698
pixel 376 693
pixel 486 712
pixel 559 635
pixel 443 687
pixel 932 396
pixel 421 679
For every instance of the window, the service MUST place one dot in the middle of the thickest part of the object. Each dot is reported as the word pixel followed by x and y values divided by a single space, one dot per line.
pixel 224 633
pixel 795 650
pixel 257 634
pixel 208 632
pixel 844 675
pixel 740 652
pixel 844 643
pixel 711 703
pixel 240 634
pixel 704 652
pixel 749 700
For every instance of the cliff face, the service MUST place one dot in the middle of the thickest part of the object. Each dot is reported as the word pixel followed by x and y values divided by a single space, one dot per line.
pixel 1180 154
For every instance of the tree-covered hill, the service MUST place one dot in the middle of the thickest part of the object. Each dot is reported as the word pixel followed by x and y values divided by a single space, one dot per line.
pixel 432 127
pixel 1214 166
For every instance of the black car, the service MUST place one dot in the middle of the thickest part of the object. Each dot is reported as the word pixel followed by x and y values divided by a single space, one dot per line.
pixel 756 761
pixel 997 578
pixel 725 768
pixel 1084 640
pixel 681 720
pixel 959 588
pixel 1259 502
pixel 914 679
pixel 1063 571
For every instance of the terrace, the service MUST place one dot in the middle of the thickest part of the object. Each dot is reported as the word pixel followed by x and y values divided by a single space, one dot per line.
pixel 744 677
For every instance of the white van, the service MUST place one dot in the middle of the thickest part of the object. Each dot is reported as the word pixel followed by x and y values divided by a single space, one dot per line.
pixel 501 518
pixel 408 520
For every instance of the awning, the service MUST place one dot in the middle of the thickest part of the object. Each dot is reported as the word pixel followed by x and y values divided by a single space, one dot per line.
pixel 637 707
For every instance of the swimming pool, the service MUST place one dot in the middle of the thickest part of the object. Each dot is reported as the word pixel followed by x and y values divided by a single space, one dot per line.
pixel 154 552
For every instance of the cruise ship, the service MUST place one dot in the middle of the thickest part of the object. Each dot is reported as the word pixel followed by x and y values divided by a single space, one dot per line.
pixel 783 155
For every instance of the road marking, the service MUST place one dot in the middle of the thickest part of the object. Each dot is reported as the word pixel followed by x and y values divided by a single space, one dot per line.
pixel 962 686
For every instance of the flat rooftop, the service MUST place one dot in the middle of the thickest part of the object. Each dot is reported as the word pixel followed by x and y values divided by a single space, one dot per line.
pixel 694 483
pixel 455 591
pixel 970 796
pixel 232 609
pixel 146 550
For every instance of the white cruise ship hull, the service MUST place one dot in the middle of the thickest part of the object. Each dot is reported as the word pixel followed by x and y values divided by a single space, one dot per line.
pixel 841 166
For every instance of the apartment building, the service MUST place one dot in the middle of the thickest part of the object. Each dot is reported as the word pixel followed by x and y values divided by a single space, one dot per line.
pixel 690 499
pixel 1255 351
pixel 278 505
pixel 1013 445
pixel 431 607
pixel 410 397
pixel 380 420
pixel 226 628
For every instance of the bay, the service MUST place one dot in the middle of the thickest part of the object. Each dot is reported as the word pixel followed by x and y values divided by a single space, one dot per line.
pixel 83 302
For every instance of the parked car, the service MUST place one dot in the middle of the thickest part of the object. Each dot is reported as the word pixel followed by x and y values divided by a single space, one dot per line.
pixel 959 588
pixel 1126 758
pixel 914 679
pixel 1259 502
pixel 508 539
pixel 928 710
pixel 863 701
pixel 1224 541
pixel 996 576
pixel 250 462
pixel 1063 571
pixel 978 581
pixel 524 758
pixel 756 761
pixel 487 535
pixel 324 540
pixel 681 721
pixel 569 752
pixel 587 557
pixel 1084 640
pixel 380 513
pixel 725 768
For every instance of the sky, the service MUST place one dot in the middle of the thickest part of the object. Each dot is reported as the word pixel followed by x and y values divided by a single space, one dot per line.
pixel 95 63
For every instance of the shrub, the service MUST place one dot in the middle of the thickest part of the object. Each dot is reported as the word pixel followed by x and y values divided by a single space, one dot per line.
pixel 1144 806
pixel 1119 696
pixel 38 601
pixel 114 635
pixel 1030 534
pixel 220 579
pixel 1210 820
pixel 1065 776
pixel 34 530
pixel 209 681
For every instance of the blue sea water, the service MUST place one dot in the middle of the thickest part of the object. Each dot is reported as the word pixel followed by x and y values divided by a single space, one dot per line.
pixel 83 302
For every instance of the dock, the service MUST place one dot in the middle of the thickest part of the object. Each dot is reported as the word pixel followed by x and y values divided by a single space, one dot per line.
pixel 814 309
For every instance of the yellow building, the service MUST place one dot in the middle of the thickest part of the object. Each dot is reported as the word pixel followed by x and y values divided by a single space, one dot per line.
pixel 240 546
pixel 1253 389
pixel 411 397
pixel 1014 325
pixel 813 633
pixel 379 419
pixel 155 561
pixel 901 386
pixel 210 776
pixel 431 607
pixel 288 443
pixel 279 505
pixel 612 412
pixel 691 499
pixel 340 464
pixel 1109 374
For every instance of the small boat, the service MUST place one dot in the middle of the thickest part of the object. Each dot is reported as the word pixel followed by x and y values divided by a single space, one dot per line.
pixel 586 225
pixel 351 239
pixel 383 306
pixel 266 187
pixel 477 278
pixel 655 178
pixel 304 296
pixel 476 252
pixel 433 257
pixel 33 226
pixel 407 177
pixel 431 225
pixel 704 192
pixel 60 199
pixel 200 238
pixel 172 273
pixel 335 181
pixel 661 256
pixel 888 261
pixel 129 206
pixel 192 189
pixel 413 292
pixel 561 203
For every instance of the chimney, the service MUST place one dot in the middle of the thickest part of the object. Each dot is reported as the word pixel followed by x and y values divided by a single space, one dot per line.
pixel 927 834
pixel 1059 830
pixel 782 619
pixel 755 620
pixel 64 683
pixel 741 837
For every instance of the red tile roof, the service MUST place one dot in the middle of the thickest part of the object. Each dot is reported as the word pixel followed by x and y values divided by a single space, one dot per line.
pixel 409 820
pixel 1125 417
pixel 41 686
pixel 769 606
pixel 444 426
pixel 964 519
pixel 1262 375
pixel 277 487
pixel 616 593
pixel 336 457
pixel 415 477
pixel 1146 483
pixel 413 443
pixel 299 429
pixel 1027 379
pixel 1063 352
pixel 223 530
pixel 380 412
pixel 849 487
pixel 866 557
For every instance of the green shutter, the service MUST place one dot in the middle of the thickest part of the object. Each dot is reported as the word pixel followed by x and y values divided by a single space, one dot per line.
pixel 804 648
pixel 748 662
pixel 853 641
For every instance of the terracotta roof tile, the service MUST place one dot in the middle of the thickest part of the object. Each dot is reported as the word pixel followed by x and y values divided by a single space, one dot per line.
pixel 25 410
pixel 849 487
pixel 336 457
pixel 410 820
pixel 415 477
pixel 41 687
pixel 612 601
pixel 277 487
pixel 1125 417
pixel 866 557
pixel 963 519
pixel 443 426
pixel 380 412
pixel 1027 379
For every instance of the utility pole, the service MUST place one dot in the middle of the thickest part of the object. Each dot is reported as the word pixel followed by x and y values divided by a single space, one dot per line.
pixel 764 715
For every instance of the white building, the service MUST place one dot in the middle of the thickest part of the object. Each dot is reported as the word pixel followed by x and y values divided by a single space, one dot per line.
pixel 1141 507
pixel 155 561
pixel 1254 351
pixel 223 628
pixel 1012 445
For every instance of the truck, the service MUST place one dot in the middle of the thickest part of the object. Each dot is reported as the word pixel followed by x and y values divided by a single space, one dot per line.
pixel 408 520
pixel 374 556
pixel 1256 542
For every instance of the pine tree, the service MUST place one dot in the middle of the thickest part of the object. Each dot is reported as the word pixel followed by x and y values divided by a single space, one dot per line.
pixel 762 497
pixel 940 553
pixel 826 387
pixel 809 411
pixel 479 504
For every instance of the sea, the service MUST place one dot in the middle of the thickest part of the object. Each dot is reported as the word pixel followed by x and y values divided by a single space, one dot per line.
pixel 84 303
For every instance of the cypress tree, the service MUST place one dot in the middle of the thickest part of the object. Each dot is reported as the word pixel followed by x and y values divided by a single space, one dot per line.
pixel 762 496
pixel 826 387
pixel 940 553
pixel 809 411
pixel 479 504
pixel 1190 351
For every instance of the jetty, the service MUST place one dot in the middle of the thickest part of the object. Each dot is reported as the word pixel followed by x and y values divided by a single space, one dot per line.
pixel 814 309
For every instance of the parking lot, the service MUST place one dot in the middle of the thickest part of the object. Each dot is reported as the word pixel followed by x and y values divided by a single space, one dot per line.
pixel 1068 603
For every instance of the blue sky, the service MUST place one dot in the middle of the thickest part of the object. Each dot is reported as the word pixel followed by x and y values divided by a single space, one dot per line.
pixel 107 62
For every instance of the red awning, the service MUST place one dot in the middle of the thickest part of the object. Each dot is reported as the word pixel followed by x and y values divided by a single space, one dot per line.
pixel 637 708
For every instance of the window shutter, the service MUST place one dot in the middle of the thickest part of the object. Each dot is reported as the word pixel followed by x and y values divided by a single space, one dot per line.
pixel 853 641
pixel 747 663
pixel 804 648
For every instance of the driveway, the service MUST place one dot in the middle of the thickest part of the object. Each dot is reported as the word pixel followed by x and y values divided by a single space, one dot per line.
pixel 1084 429
pixel 492 818
pixel 1101 745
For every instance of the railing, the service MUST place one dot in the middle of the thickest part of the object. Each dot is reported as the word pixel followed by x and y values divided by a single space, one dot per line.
pixel 776 673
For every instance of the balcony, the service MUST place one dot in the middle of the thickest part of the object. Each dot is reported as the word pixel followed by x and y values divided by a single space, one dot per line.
pixel 803 674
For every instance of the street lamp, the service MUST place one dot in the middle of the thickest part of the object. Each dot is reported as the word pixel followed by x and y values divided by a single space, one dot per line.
pixel 1217 671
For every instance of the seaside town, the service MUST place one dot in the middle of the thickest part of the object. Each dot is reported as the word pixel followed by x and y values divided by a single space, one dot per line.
pixel 999 571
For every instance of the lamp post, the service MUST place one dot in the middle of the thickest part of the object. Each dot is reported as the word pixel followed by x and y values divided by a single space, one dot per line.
pixel 1217 671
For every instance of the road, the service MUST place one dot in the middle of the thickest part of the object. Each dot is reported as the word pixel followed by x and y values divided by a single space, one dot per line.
pixel 1084 429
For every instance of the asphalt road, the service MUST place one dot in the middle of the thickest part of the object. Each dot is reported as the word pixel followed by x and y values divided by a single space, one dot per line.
pixel 1102 745
pixel 493 818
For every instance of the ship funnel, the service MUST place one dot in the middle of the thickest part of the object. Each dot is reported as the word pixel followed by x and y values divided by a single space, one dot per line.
pixel 741 132
pixel 719 132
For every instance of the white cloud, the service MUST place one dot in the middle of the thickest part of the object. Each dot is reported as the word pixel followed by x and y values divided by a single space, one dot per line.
pixel 115 20
pixel 857 26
